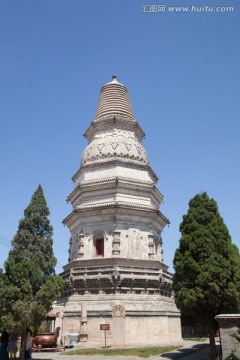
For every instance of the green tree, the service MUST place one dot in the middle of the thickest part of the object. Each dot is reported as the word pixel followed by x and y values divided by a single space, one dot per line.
pixel 207 266
pixel 29 282
pixel 1 288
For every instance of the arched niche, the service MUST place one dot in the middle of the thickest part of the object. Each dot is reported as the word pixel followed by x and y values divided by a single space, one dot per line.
pixel 98 243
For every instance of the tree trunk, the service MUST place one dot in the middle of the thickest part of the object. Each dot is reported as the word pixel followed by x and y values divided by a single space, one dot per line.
pixel 23 345
pixel 213 350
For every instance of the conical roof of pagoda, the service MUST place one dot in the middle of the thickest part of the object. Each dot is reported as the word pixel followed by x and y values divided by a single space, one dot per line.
pixel 114 133
pixel 114 100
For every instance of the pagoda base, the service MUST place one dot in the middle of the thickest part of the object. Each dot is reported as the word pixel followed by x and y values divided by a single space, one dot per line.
pixel 132 319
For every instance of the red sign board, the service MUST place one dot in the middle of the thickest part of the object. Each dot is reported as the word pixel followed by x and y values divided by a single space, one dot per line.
pixel 104 326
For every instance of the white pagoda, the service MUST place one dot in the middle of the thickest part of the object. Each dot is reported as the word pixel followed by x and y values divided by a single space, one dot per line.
pixel 116 275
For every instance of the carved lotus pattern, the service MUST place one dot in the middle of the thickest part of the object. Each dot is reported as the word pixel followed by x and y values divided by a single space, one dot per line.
pixel 114 143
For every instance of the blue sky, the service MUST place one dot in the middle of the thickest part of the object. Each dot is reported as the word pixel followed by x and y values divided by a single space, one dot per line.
pixel 182 71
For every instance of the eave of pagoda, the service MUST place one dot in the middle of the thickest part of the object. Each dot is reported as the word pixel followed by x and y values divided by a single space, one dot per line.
pixel 114 122
pixel 116 182
pixel 114 163
pixel 115 207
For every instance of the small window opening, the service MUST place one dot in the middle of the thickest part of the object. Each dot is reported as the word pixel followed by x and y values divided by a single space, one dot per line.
pixel 99 247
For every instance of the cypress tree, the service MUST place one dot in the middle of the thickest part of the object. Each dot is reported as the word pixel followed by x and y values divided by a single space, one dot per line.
pixel 30 283
pixel 207 265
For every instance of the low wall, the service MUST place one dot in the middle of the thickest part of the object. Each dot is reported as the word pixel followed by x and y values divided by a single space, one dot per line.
pixel 229 326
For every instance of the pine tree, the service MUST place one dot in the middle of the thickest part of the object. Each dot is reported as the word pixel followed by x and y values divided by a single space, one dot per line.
pixel 207 265
pixel 30 283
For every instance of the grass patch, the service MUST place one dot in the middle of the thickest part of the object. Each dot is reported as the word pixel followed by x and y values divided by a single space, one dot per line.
pixel 195 339
pixel 143 352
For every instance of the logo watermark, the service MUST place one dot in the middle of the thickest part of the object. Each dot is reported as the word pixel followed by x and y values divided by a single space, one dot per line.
pixel 186 9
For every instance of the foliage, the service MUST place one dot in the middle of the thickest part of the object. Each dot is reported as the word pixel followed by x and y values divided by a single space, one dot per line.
pixel 1 289
pixel 206 279
pixel 29 282
pixel 195 339
pixel 236 335
pixel 207 265
pixel 143 352
pixel 41 330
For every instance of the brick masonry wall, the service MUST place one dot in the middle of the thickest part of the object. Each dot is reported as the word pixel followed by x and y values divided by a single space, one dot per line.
pixel 229 325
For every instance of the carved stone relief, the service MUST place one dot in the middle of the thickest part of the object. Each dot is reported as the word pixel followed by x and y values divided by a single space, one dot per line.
pixel 118 310
pixel 116 242
pixel 80 245
pixel 120 143
pixel 151 245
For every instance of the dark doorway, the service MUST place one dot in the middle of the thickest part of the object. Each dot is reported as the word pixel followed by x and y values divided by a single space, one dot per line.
pixel 100 247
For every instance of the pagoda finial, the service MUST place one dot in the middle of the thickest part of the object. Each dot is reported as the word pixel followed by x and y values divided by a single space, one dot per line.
pixel 114 79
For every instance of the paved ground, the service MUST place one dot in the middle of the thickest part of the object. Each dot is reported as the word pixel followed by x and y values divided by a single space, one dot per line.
pixel 195 351
pixel 190 351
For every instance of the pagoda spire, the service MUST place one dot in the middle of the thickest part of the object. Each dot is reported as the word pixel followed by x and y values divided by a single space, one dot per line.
pixel 114 100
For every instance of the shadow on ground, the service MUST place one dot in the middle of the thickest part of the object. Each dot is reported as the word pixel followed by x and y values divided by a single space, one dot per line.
pixel 185 352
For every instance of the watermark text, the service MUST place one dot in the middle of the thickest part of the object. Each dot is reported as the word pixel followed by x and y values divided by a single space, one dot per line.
pixel 160 8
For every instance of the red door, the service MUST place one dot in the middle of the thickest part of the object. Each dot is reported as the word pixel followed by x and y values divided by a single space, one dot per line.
pixel 99 247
